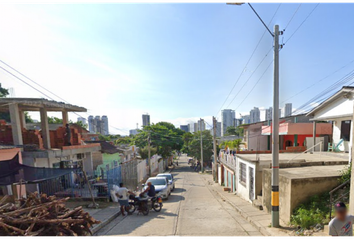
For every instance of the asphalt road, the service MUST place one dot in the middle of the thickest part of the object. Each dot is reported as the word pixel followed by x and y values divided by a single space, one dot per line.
pixel 191 210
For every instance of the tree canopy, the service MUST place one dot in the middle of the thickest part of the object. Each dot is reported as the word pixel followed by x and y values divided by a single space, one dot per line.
pixel 164 136
pixel 192 145
pixel 236 131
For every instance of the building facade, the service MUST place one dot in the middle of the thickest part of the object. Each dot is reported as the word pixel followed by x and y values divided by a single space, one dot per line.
pixel 81 119
pixel 227 120
pixel 269 114
pixel 255 115
pixel 288 109
pixel 146 120
pixel 184 128
pixel 98 125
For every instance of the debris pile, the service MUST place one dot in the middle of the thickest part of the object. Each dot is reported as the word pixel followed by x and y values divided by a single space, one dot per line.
pixel 40 215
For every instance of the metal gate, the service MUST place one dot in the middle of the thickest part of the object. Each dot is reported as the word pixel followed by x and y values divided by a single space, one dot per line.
pixel 251 185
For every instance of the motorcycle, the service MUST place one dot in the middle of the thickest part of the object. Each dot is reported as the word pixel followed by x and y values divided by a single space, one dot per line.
pixel 144 204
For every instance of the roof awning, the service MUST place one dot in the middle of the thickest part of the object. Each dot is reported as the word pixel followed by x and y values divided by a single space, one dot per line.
pixel 35 104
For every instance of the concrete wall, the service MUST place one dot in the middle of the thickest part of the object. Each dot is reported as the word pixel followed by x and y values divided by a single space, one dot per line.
pixel 243 190
pixel 293 192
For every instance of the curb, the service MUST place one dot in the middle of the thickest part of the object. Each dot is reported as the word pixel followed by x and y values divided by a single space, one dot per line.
pixel 260 228
pixel 101 225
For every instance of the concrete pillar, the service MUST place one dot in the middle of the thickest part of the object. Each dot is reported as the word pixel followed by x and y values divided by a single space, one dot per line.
pixel 45 128
pixel 16 124
pixel 65 117
pixel 314 135
pixel 87 163
pixel 22 119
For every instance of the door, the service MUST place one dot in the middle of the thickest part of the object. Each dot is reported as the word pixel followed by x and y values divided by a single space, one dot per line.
pixel 251 185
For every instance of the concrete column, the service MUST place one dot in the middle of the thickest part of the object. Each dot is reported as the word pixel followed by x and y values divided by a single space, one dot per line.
pixel 16 124
pixel 87 163
pixel 65 117
pixel 22 119
pixel 45 128
pixel 314 135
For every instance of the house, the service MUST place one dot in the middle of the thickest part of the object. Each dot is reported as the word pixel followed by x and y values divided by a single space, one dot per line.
pixel 107 158
pixel 44 147
pixel 338 109
pixel 294 132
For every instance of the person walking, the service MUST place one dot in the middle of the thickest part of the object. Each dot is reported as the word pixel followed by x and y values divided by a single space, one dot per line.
pixel 122 194
pixel 342 223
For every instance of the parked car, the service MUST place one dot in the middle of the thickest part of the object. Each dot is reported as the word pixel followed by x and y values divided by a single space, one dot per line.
pixel 161 186
pixel 171 180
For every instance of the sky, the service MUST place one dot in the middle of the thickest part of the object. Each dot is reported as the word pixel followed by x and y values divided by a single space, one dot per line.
pixel 177 62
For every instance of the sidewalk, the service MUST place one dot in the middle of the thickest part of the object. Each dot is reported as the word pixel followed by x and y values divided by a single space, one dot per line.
pixel 105 215
pixel 258 218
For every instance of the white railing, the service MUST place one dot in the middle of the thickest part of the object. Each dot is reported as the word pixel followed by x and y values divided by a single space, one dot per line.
pixel 320 143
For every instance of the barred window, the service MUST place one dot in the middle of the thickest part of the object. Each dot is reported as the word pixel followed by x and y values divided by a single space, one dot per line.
pixel 243 173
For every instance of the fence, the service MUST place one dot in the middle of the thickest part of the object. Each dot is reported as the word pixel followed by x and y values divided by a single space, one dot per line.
pixel 130 173
pixel 74 184
pixel 142 170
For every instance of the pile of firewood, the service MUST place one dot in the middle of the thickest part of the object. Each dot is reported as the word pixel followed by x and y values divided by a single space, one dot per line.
pixel 40 215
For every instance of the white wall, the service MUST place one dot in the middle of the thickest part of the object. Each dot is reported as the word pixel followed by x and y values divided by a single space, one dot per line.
pixel 243 190
pixel 337 108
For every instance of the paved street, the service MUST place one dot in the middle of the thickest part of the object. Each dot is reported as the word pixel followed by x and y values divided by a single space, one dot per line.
pixel 192 209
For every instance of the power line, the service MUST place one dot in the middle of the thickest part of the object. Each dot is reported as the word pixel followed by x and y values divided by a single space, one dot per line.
pixel 261 20
pixel 292 17
pixel 314 84
pixel 248 61
pixel 31 80
pixel 250 77
pixel 302 23
pixel 255 85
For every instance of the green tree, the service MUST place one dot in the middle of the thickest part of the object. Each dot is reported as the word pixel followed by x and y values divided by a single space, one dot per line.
pixel 28 118
pixel 55 120
pixel 81 124
pixel 144 152
pixel 194 146
pixel 123 140
pixel 164 136
pixel 104 138
pixel 3 92
pixel 187 137
pixel 234 131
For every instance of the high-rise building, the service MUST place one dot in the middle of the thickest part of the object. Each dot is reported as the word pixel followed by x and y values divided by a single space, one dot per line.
pixel 146 120
pixel 227 119
pixel 255 115
pixel 269 114
pixel 237 122
pixel 280 115
pixel 191 127
pixel 246 119
pixel 184 128
pixel 98 125
pixel 218 129
pixel 201 125
pixel 288 109
pixel 91 124
pixel 81 119
pixel 104 124
pixel 195 127
pixel 133 132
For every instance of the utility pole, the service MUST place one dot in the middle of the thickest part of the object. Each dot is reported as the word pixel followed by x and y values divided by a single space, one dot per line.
pixel 201 146
pixel 275 121
pixel 149 154
pixel 215 164
pixel 275 134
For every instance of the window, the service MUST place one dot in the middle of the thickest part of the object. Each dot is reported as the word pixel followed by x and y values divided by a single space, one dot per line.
pixel 345 130
pixel 243 173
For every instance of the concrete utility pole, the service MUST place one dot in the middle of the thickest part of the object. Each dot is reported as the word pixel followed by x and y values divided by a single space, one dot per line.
pixel 149 155
pixel 201 146
pixel 275 134
pixel 215 164
pixel 275 121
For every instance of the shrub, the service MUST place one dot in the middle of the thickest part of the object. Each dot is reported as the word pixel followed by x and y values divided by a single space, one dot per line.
pixel 315 211
pixel 345 174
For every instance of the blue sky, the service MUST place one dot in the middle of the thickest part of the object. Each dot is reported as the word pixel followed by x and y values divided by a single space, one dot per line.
pixel 178 62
